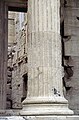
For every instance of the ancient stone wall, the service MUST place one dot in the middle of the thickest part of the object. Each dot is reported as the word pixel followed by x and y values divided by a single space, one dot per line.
pixel 17 59
pixel 70 34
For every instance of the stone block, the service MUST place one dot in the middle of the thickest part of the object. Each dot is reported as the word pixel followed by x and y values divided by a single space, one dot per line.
pixel 52 118
pixel 39 118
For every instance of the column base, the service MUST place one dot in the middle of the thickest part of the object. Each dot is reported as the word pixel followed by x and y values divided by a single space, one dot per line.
pixel 45 106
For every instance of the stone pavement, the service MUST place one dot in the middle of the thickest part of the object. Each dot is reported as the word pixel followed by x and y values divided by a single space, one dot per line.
pixel 12 118
pixel 39 118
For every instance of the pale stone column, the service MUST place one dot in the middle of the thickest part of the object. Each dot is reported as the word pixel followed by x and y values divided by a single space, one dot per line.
pixel 45 91
pixel 3 53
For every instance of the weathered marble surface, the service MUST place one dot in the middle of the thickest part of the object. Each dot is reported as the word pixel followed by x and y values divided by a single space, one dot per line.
pixel 11 118
pixel 45 92
pixel 53 118
pixel 40 118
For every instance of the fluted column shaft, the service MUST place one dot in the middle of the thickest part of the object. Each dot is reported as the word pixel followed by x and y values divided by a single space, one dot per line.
pixel 45 95
pixel 44 48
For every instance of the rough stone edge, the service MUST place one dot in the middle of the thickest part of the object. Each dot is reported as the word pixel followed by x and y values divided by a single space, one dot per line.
pixel 39 117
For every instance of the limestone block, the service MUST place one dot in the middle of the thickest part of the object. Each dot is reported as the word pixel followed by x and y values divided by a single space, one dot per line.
pixel 73 93
pixel 72 48
pixel 11 15
pixel 71 28
pixel 11 31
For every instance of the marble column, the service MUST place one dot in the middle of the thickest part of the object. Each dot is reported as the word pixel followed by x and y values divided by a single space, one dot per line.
pixel 45 90
pixel 3 53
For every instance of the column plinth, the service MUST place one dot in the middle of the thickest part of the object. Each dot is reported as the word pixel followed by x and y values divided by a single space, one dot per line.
pixel 45 89
pixel 45 106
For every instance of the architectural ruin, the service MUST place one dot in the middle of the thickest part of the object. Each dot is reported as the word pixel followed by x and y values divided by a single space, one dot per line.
pixel 41 77
pixel 17 59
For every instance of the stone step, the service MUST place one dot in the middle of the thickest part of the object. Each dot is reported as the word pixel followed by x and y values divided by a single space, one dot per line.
pixel 39 118
pixel 12 118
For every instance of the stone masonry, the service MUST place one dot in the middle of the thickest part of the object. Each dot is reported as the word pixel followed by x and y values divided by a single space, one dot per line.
pixel 70 35
pixel 17 59
pixel 18 62
pixel 42 79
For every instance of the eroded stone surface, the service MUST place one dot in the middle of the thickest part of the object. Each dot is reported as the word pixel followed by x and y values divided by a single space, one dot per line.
pixel 40 118
pixel 12 118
